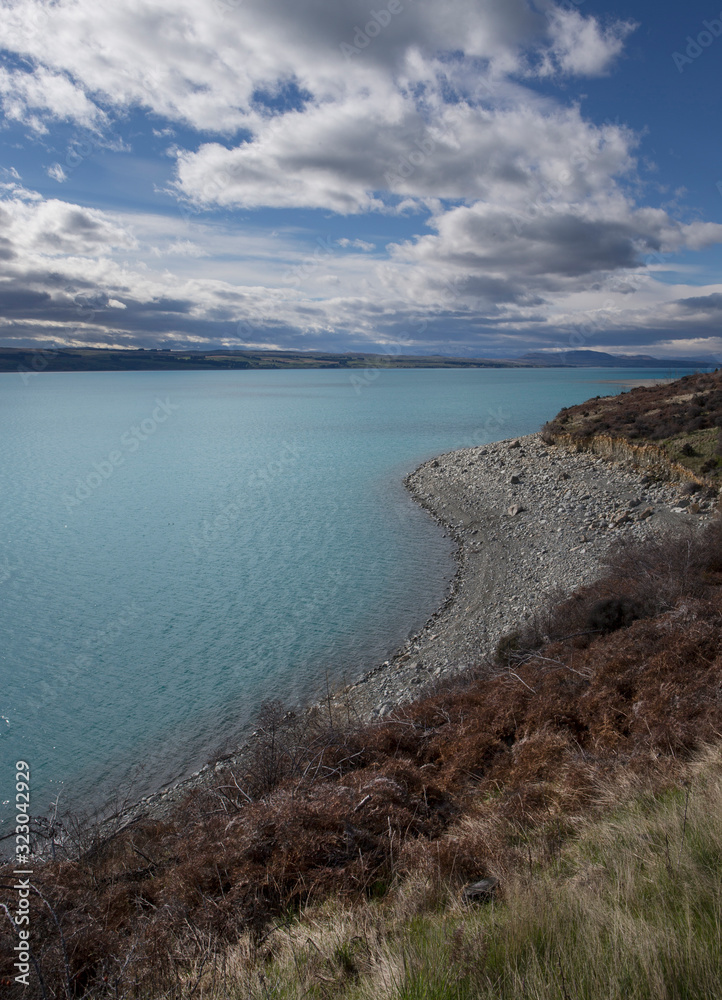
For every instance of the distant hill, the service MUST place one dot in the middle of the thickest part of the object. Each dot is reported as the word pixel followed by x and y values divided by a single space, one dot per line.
pixel 79 359
pixel 27 361
pixel 600 359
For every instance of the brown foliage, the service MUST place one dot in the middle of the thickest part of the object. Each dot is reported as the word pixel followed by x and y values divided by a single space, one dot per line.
pixel 452 786
pixel 690 404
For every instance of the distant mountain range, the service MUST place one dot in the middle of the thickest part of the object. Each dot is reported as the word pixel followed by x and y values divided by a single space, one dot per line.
pixel 600 359
pixel 27 361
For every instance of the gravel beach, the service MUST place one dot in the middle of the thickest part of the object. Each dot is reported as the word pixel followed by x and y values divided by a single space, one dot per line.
pixel 529 519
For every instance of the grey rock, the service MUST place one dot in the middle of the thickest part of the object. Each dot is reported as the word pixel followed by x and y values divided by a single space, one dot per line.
pixel 480 892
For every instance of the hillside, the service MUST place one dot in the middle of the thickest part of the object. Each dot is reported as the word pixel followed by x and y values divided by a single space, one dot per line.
pixel 601 359
pixel 27 362
pixel 678 424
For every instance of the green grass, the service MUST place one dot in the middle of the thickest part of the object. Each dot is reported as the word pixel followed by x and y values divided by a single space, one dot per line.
pixel 704 443
pixel 631 910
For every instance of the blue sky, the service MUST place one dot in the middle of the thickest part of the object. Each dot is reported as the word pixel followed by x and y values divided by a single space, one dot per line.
pixel 478 177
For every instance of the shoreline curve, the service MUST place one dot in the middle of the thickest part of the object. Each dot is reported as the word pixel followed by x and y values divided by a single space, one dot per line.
pixel 530 521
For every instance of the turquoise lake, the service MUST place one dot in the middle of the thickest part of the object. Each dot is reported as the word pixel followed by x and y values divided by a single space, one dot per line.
pixel 177 547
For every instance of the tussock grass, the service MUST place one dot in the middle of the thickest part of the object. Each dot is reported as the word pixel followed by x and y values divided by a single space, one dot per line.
pixel 631 910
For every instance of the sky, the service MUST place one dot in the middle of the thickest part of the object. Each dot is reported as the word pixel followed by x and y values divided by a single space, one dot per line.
pixel 479 178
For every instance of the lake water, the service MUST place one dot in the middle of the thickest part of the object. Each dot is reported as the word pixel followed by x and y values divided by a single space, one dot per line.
pixel 177 547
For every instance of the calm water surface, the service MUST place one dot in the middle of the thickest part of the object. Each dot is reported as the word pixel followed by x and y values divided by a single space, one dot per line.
pixel 177 547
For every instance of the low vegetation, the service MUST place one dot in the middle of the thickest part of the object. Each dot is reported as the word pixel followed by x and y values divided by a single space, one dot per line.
pixel 581 770
pixel 630 908
pixel 682 420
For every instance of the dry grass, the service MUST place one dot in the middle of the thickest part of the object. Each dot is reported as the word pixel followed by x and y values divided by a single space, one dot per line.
pixel 630 908
pixel 496 772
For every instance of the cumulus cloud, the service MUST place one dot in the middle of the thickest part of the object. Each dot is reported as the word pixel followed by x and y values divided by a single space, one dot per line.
pixel 56 228
pixel 703 303
pixel 528 213
pixel 580 45
pixel 206 65
pixel 35 97
pixel 373 156
pixel 65 278
pixel 525 254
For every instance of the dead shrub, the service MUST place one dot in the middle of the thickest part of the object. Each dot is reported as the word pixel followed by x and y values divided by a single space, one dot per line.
pixel 611 613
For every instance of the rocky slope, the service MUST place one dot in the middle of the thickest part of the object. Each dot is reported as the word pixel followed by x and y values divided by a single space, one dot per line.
pixel 531 520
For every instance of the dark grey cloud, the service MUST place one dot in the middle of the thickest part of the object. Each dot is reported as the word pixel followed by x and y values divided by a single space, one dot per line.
pixel 23 301
pixel 709 303
pixel 6 249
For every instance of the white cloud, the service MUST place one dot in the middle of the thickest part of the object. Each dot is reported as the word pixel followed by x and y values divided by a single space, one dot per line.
pixel 203 65
pixel 31 98
pixel 55 228
pixel 350 158
pixel 525 209
pixel 183 248
pixel 64 275
pixel 580 46
pixel 503 254
pixel 57 173
pixel 356 244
